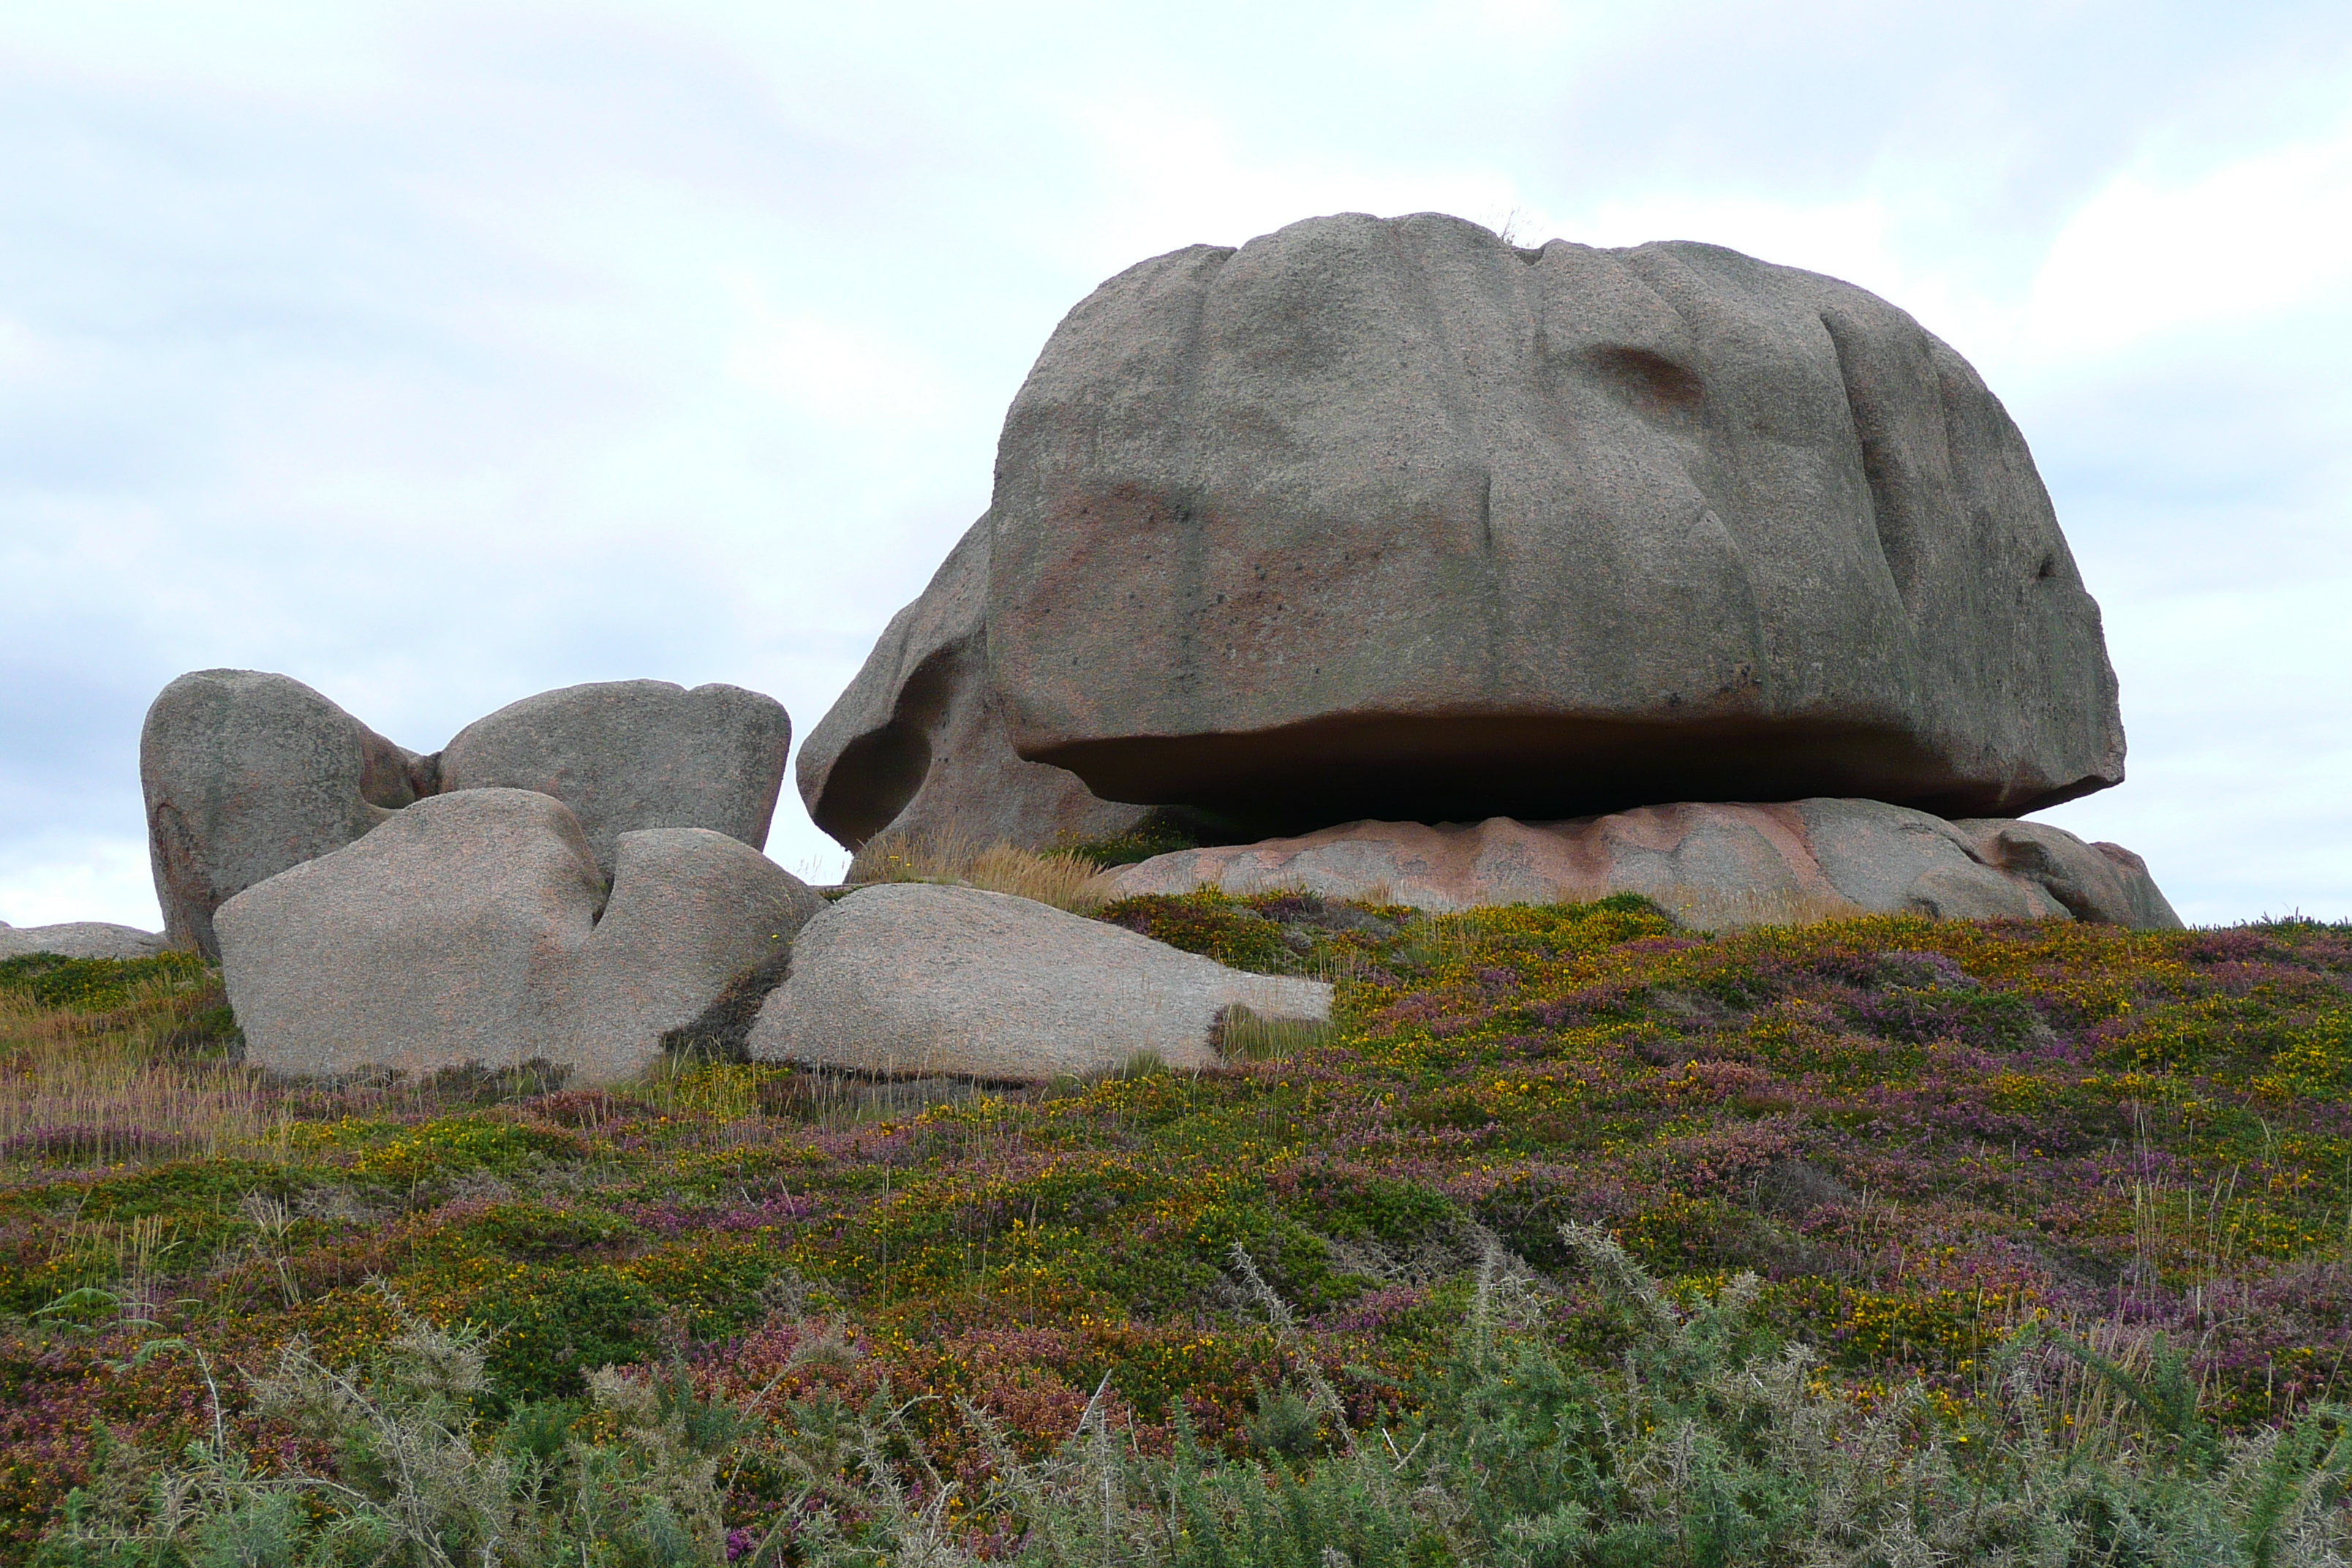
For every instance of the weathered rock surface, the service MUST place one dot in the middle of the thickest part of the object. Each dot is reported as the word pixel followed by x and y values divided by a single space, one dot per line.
pixel 690 910
pixel 80 939
pixel 474 928
pixel 1389 518
pixel 911 980
pixel 632 754
pixel 247 773
pixel 1715 865
pixel 917 746
pixel 2106 883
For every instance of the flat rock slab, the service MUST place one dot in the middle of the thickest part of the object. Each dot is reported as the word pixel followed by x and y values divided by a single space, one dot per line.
pixel 1715 865
pixel 1390 518
pixel 81 939
pixel 913 980
pixel 474 928
pixel 632 754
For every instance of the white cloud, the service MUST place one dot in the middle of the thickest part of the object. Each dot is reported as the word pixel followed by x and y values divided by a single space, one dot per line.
pixel 836 373
pixel 23 355
pixel 2151 255
pixel 52 879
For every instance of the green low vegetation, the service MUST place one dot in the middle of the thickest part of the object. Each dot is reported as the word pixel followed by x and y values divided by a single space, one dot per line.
pixel 1579 1238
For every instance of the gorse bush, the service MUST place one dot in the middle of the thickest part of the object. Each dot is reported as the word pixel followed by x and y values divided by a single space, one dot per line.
pixel 391 1463
pixel 1207 922
pixel 1158 834
pixel 1708 1445
pixel 97 984
pixel 2030 1241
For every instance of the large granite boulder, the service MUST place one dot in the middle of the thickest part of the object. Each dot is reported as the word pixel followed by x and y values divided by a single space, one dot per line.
pixel 912 980
pixel 247 773
pixel 1714 866
pixel 631 754
pixel 1390 518
pixel 80 939
pixel 474 927
pixel 917 746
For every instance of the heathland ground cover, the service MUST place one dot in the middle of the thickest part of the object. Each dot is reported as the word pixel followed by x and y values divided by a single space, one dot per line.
pixel 1579 1237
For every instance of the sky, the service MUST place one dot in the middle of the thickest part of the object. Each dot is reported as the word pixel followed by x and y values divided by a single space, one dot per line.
pixel 441 354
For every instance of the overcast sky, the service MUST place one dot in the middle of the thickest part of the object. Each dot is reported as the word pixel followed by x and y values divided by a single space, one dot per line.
pixel 437 355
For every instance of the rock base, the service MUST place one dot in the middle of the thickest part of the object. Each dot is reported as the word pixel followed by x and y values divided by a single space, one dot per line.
pixel 1715 865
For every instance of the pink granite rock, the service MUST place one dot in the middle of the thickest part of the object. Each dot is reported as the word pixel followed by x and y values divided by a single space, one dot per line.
pixel 917 745
pixel 247 773
pixel 1712 865
pixel 631 754
pixel 913 980
pixel 1390 518
pixel 80 939
pixel 475 928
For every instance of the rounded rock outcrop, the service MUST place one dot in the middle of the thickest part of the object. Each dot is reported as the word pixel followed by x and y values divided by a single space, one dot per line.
pixel 1717 865
pixel 1390 518
pixel 475 928
pixel 247 773
pixel 80 939
pixel 912 980
pixel 626 755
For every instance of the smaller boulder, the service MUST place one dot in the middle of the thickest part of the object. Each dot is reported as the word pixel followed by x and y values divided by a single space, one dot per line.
pixel 1716 864
pixel 247 773
pixel 912 980
pixel 475 928
pixel 80 939
pixel 691 910
pixel 632 754
pixel 2104 883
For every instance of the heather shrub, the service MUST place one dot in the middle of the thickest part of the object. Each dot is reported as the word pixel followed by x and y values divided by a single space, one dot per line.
pixel 389 1461
pixel 1208 922
pixel 1708 1445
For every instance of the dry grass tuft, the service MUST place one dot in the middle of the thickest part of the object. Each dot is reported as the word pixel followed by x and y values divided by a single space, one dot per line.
pixel 1064 880
pixel 1240 1035
pixel 118 1088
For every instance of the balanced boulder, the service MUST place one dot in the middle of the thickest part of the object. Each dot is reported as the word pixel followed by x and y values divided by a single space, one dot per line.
pixel 915 980
pixel 917 746
pixel 1715 865
pixel 474 927
pixel 631 754
pixel 247 773
pixel 80 939
pixel 1393 518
